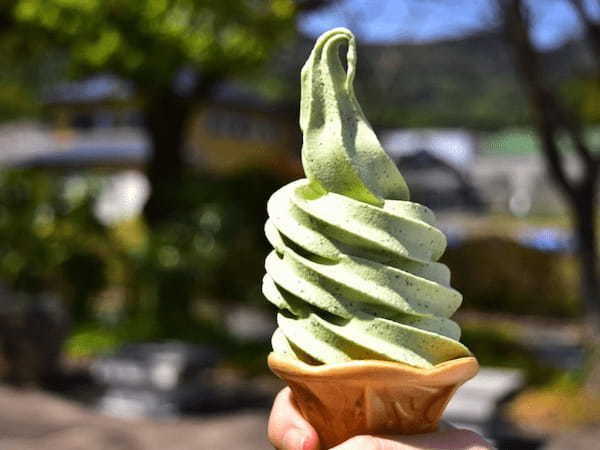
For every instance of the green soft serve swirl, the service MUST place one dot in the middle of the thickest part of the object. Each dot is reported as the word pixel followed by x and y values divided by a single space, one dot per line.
pixel 353 271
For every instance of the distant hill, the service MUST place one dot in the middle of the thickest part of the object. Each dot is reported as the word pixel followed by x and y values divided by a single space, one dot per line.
pixel 466 82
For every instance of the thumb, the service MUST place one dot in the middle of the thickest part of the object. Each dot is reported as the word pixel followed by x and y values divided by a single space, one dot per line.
pixel 288 430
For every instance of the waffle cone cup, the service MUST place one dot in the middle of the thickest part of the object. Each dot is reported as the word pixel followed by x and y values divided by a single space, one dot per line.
pixel 371 397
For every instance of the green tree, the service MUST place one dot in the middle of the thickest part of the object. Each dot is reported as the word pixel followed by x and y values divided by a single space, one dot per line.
pixel 553 121
pixel 173 52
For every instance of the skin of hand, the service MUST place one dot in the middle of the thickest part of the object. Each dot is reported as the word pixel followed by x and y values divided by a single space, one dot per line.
pixel 288 430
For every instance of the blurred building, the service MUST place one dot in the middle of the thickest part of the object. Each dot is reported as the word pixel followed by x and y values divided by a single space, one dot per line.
pixel 22 140
pixel 456 146
pixel 97 122
pixel 510 172
pixel 436 164
pixel 501 172
pixel 239 130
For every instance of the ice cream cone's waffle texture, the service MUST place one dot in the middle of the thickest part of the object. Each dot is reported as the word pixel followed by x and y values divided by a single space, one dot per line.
pixel 371 397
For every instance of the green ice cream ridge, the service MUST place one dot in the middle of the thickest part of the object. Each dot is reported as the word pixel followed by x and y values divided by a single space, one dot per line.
pixel 354 269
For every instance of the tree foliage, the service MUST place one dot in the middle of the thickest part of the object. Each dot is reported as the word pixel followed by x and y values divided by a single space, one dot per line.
pixel 172 52
pixel 150 41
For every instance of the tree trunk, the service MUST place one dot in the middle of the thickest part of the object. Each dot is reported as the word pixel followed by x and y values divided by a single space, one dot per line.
pixel 584 209
pixel 165 118
pixel 585 213
pixel 165 115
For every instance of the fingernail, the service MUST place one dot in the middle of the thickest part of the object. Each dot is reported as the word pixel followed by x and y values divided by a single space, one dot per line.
pixel 294 439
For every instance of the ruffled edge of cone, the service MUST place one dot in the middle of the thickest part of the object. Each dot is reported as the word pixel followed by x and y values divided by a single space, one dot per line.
pixel 450 372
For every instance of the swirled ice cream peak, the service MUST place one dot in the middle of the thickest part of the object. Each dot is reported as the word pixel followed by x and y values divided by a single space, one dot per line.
pixel 341 153
pixel 354 269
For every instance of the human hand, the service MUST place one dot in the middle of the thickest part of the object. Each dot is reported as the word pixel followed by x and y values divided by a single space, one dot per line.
pixel 288 430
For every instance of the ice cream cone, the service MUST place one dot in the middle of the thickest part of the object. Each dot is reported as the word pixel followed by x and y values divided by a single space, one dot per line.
pixel 371 397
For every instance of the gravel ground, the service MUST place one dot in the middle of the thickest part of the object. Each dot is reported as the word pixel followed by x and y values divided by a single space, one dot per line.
pixel 33 420
pixel 582 439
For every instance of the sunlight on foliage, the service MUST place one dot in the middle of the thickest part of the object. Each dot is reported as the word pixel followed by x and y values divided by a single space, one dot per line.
pixel 148 41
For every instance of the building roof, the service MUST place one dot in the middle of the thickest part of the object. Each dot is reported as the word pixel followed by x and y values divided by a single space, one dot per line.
pixel 87 157
pixel 107 88
pixel 29 144
pixel 455 146
pixel 91 90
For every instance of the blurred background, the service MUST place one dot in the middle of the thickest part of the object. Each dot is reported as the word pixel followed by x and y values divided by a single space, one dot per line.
pixel 140 141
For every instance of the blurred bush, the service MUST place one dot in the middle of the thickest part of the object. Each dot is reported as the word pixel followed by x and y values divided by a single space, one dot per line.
pixel 50 243
pixel 497 345
pixel 50 239
pixel 126 282
pixel 499 275
pixel 208 254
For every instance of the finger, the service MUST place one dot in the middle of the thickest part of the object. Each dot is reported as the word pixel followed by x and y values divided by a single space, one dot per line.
pixel 453 439
pixel 288 430
pixel 450 439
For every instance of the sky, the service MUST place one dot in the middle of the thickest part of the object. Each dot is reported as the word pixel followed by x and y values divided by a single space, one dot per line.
pixel 424 20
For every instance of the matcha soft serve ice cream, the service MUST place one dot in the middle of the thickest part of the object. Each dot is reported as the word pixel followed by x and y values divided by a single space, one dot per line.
pixel 365 340
pixel 354 269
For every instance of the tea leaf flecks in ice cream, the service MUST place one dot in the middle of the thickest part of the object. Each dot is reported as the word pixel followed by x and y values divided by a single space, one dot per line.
pixel 353 270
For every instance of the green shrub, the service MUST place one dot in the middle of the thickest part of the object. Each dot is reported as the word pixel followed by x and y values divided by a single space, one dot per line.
pixel 499 275
pixel 211 251
pixel 50 239
pixel 498 346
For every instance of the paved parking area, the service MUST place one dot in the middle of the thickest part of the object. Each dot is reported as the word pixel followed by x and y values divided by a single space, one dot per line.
pixel 31 420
